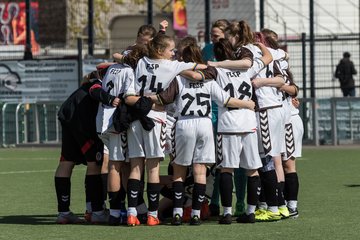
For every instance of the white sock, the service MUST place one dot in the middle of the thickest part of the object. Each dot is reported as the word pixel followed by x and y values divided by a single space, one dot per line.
pixel 179 211
pixel 227 210
pixel 262 205
pixel 88 207
pixel 115 212
pixel 153 213
pixel 273 209
pixel 132 211
pixel 98 212
pixel 64 213
pixel 250 209
pixel 292 204
pixel 195 213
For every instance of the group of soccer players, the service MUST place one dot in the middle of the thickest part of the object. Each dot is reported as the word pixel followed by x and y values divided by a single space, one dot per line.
pixel 158 98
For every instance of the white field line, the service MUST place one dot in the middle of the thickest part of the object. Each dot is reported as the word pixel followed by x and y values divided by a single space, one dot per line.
pixel 23 159
pixel 34 171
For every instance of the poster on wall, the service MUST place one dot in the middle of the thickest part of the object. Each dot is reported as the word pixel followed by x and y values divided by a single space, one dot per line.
pixel 34 81
pixel 13 24
pixel 179 15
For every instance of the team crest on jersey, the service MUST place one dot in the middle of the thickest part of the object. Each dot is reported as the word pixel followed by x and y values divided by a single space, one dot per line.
pixel 98 156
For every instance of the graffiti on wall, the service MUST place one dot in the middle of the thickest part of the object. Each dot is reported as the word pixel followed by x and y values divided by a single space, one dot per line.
pixel 13 24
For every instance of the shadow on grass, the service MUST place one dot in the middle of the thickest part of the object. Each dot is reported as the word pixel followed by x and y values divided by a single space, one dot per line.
pixel 352 185
pixel 29 219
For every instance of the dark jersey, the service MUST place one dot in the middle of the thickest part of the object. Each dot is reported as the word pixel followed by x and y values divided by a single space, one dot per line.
pixel 79 111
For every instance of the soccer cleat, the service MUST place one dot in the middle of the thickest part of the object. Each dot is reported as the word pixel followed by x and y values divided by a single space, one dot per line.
pixel 114 221
pixel 268 216
pixel 132 221
pixel 260 211
pixel 69 218
pixel 195 220
pixel 244 218
pixel 176 220
pixel 293 213
pixel 100 218
pixel 87 216
pixel 226 219
pixel 284 212
pixel 152 221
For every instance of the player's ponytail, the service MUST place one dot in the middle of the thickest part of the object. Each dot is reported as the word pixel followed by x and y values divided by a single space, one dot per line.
pixel 158 45
pixel 137 52
pixel 246 35
pixel 223 50
pixel 259 37
pixel 191 52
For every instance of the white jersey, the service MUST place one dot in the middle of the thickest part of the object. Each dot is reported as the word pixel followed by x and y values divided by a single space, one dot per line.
pixel 193 98
pixel 267 96
pixel 238 84
pixel 283 65
pixel 119 78
pixel 155 75
pixel 287 104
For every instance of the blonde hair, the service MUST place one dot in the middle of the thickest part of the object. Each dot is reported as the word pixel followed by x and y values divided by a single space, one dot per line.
pixel 158 44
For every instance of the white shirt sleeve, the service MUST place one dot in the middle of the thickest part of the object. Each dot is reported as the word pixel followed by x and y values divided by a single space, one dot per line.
pixel 218 94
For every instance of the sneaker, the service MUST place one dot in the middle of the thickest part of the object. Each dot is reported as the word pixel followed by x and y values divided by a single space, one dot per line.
pixel 87 216
pixel 214 210
pixel 227 219
pixel 195 220
pixel 123 217
pixel 176 220
pixel 100 218
pixel 284 212
pixel 244 218
pixel 114 221
pixel 69 218
pixel 293 213
pixel 152 221
pixel 260 211
pixel 268 216
pixel 132 221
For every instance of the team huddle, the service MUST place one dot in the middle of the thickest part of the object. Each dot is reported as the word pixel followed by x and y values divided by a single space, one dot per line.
pixel 224 114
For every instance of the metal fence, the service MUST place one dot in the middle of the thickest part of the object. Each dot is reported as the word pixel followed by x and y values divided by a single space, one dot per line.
pixel 28 123
pixel 332 121
pixel 328 52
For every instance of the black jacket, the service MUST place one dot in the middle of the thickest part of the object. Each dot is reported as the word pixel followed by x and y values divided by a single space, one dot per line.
pixel 79 110
pixel 124 115
pixel 344 72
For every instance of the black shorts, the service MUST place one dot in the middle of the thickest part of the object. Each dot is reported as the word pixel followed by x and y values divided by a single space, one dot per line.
pixel 80 149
